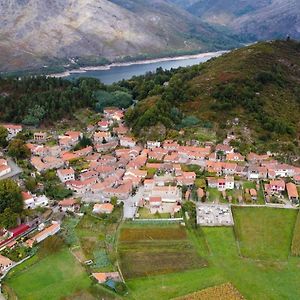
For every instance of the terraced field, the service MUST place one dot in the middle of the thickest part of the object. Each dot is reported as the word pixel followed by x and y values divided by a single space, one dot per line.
pixel 145 251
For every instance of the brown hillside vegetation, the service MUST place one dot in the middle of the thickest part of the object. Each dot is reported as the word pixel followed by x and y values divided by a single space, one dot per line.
pixel 257 85
pixel 221 292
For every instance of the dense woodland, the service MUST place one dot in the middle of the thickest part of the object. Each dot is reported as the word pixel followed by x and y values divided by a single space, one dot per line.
pixel 36 100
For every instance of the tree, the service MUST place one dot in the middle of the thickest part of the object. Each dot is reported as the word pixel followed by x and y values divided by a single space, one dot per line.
pixel 10 196
pixel 8 219
pixel 31 184
pixel 18 149
pixel 3 136
pixel 114 200
pixel 83 143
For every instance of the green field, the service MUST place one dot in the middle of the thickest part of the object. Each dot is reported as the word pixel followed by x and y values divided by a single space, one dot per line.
pixel 255 279
pixel 264 233
pixel 149 250
pixel 166 261
pixel 296 238
pixel 53 277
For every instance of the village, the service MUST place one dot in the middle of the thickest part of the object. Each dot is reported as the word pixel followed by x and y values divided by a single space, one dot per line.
pixel 151 180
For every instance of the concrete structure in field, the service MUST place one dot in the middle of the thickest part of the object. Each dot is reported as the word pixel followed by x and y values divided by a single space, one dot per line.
pixel 214 215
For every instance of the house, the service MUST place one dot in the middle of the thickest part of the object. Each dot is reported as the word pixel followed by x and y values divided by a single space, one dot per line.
pixel 152 144
pixel 224 148
pixel 40 136
pixel 105 208
pixel 4 167
pixel 297 179
pixel 256 173
pixel 81 187
pixel 106 147
pixel 157 154
pixel 38 164
pixel 13 130
pixel 103 277
pixel 28 200
pixel 127 142
pixel 84 152
pixel 69 205
pixel 222 184
pixel 155 205
pixel 103 125
pixel 122 192
pixel 89 174
pixel 172 158
pixel 256 158
pixel 49 231
pixel 235 157
pixel 53 162
pixel 253 194
pixel 41 201
pixel 275 186
pixel 5 263
pixel 121 130
pixel 137 162
pixel 166 193
pixel 292 192
pixel 148 184
pixel 69 140
pixel 113 113
pixel 170 145
pixel 187 178
pixel 135 173
pixel 102 136
pixel 66 175
pixel 68 156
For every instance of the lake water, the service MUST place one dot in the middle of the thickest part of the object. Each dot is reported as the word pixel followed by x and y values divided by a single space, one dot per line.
pixel 117 73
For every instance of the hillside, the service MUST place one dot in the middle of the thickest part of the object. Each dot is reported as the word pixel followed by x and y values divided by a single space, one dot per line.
pixel 262 19
pixel 253 91
pixel 36 33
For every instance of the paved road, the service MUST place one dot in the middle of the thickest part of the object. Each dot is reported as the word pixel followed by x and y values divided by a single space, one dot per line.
pixel 15 170
pixel 129 204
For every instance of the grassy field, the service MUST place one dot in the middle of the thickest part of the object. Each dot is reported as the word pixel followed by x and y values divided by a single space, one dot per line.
pixel 264 233
pixel 144 213
pixel 145 250
pixel 53 277
pixel 296 238
pixel 254 279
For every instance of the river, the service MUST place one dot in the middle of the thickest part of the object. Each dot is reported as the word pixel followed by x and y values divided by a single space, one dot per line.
pixel 116 72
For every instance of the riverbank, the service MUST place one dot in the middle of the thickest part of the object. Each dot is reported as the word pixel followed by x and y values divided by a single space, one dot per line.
pixel 138 62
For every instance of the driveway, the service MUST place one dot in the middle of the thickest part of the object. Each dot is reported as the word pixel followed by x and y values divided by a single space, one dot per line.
pixel 15 170
pixel 130 208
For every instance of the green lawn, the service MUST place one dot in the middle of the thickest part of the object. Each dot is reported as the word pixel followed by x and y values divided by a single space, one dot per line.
pixel 214 195
pixel 53 277
pixel 144 213
pixel 296 238
pixel 264 233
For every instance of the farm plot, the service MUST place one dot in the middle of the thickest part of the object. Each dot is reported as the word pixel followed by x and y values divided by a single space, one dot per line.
pixel 264 233
pixel 145 251
pixel 224 291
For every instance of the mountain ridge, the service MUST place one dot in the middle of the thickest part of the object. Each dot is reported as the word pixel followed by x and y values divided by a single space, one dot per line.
pixel 35 33
pixel 257 20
